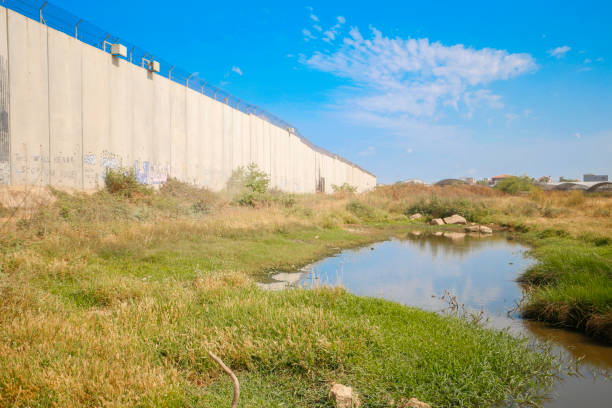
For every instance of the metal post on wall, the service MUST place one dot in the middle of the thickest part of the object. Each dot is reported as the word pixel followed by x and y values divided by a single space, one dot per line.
pixel 40 10
pixel 131 52
pixel 76 29
pixel 104 42
pixel 170 72
pixel 188 78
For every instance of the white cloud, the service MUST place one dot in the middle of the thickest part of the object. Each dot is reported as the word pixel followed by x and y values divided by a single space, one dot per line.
pixel 314 17
pixel 416 77
pixel 511 117
pixel 482 98
pixel 317 27
pixel 237 70
pixel 341 20
pixel 369 151
pixel 308 35
pixel 409 150
pixel 329 35
pixel 587 61
pixel 559 52
pixel 600 59
pixel 578 135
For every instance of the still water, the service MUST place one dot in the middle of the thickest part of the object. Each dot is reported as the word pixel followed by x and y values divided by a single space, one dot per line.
pixel 416 269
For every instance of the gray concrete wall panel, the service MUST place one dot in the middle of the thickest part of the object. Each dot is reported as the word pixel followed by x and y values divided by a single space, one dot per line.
pixel 70 111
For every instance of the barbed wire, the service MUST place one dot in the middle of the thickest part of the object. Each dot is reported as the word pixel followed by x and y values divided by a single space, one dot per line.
pixel 62 20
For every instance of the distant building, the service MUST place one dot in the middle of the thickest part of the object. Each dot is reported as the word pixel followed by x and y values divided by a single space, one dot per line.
pixel 469 180
pixel 497 179
pixel 595 177
pixel 545 180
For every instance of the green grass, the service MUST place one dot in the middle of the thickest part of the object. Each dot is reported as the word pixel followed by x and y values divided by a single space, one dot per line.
pixel 108 300
pixel 571 285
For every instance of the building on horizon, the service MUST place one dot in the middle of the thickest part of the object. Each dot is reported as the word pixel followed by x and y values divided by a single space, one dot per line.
pixel 545 180
pixel 469 180
pixel 595 177
pixel 497 179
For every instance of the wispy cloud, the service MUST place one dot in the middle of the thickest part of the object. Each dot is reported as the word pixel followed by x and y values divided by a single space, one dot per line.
pixel 313 17
pixel 237 70
pixel 394 77
pixel 559 52
pixel 308 35
pixel 369 151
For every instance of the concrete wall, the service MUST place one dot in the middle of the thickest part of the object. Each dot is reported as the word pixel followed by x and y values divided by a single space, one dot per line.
pixel 69 111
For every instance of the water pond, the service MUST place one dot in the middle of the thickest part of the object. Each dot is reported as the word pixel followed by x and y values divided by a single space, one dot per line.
pixel 417 268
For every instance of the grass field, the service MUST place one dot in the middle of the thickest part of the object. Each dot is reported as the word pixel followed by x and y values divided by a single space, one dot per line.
pixel 115 299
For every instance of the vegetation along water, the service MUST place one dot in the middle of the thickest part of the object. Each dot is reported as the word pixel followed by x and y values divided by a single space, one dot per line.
pixel 115 298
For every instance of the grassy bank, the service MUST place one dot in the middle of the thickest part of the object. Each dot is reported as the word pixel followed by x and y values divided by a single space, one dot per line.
pixel 571 285
pixel 115 299
pixel 571 236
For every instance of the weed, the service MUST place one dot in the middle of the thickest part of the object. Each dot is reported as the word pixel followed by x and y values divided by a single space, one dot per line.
pixel 344 188
pixel 124 183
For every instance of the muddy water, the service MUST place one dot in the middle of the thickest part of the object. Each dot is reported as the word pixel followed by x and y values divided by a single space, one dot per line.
pixel 480 271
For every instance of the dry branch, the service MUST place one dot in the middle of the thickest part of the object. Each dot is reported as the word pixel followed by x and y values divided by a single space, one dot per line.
pixel 232 375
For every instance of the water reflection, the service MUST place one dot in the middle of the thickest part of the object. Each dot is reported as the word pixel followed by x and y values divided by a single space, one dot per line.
pixel 416 268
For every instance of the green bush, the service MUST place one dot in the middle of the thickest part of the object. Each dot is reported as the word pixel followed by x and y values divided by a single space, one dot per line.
pixel 250 187
pixel 344 188
pixel 436 207
pixel 515 185
pixel 249 179
pixel 124 183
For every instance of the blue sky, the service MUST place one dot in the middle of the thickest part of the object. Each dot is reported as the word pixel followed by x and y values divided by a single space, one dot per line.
pixel 405 89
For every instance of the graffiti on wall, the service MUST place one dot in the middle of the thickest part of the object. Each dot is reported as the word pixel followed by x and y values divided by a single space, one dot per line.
pixel 151 174
pixel 5 147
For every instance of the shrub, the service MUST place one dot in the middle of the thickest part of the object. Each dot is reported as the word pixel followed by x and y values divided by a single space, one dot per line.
pixel 124 183
pixel 250 179
pixel 250 187
pixel 436 207
pixel 344 188
pixel 361 210
pixel 515 185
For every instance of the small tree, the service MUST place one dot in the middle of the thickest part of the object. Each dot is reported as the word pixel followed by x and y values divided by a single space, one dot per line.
pixel 256 180
pixel 248 186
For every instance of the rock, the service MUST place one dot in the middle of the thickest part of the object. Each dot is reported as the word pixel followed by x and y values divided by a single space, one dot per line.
pixel 416 216
pixel 413 403
pixel 343 396
pixel 455 219
pixel 485 230
pixel 472 228
pixel 437 221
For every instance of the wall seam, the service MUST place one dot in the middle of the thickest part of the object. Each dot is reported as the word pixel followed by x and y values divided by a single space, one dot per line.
pixel 82 126
pixel 48 108
pixel 8 89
